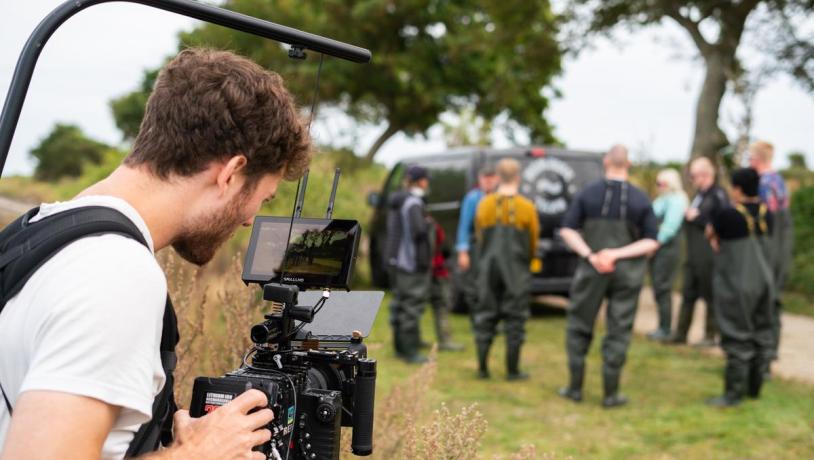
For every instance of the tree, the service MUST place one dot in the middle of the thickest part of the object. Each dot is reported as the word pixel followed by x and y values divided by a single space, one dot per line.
pixel 429 56
pixel 128 110
pixel 797 160
pixel 716 28
pixel 65 151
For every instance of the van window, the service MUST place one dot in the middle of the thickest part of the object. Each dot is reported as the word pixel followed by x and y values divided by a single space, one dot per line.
pixel 395 180
pixel 448 182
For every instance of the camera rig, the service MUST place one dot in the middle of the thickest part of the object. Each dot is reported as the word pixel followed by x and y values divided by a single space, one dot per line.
pixel 314 369
pixel 321 381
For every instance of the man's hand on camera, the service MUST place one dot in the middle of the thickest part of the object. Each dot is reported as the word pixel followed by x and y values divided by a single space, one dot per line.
pixel 228 433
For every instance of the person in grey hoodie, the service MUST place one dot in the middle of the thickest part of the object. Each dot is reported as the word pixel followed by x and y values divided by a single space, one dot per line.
pixel 410 234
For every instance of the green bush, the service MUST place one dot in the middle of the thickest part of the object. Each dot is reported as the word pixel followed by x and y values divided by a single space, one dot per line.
pixel 802 272
pixel 65 152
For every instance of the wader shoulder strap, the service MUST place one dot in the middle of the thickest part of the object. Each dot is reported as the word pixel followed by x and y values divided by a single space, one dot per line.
pixel 606 202
pixel 26 246
pixel 750 220
pixel 512 217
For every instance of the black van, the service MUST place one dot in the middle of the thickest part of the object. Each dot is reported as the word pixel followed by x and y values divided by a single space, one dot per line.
pixel 551 177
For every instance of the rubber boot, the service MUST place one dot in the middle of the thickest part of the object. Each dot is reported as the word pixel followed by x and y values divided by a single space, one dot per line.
pixel 483 358
pixel 411 342
pixel 513 363
pixel 735 378
pixel 610 382
pixel 574 389
pixel 398 344
pixel 443 334
pixel 757 368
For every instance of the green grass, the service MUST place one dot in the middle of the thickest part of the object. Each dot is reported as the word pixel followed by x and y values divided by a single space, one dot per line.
pixel 798 303
pixel 667 417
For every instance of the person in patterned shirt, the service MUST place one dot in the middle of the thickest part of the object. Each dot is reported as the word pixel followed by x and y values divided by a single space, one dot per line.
pixel 774 194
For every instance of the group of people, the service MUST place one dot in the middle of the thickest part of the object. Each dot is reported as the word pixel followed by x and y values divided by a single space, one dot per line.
pixel 738 250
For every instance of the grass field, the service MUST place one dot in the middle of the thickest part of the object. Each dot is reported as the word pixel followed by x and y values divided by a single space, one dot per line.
pixel 666 418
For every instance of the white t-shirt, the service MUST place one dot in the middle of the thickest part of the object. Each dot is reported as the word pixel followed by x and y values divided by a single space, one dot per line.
pixel 88 322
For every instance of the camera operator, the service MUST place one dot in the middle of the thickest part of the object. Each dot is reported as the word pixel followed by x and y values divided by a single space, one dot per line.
pixel 80 363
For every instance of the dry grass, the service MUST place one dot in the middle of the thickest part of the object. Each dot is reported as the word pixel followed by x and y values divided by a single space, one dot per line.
pixel 214 338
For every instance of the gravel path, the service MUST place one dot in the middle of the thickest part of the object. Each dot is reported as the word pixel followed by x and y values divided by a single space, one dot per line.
pixel 796 343
pixel 796 360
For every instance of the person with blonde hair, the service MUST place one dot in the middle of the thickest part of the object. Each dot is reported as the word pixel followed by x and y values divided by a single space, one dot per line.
pixel 669 208
pixel 774 194
pixel 506 228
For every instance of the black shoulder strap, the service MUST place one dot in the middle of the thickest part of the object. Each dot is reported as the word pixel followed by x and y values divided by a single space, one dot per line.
pixel 26 246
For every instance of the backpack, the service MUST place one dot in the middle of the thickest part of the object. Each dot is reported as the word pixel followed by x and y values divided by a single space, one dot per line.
pixel 26 246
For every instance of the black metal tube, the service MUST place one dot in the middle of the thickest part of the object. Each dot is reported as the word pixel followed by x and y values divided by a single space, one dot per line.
pixel 31 51
pixel 330 212
pixel 364 397
pixel 300 203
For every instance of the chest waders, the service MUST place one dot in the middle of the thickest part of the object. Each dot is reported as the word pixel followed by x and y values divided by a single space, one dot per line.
pixel 697 284
pixel 744 299
pixel 411 292
pixel 503 282
pixel 589 288
pixel 469 278
pixel 782 243
pixel 663 270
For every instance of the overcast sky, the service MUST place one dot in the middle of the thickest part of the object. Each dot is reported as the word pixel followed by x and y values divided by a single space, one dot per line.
pixel 634 90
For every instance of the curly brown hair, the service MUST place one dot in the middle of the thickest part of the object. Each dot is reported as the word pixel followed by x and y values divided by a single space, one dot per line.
pixel 209 105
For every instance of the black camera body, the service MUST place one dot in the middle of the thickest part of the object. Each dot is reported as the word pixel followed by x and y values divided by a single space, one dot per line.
pixel 314 370
pixel 315 385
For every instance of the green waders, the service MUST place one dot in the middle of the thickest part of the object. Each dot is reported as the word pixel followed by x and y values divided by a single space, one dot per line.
pixel 441 304
pixel 469 280
pixel 782 249
pixel 744 300
pixel 697 284
pixel 503 290
pixel 663 270
pixel 589 288
pixel 410 294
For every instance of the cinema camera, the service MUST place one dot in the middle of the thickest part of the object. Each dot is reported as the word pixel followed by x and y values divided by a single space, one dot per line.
pixel 314 369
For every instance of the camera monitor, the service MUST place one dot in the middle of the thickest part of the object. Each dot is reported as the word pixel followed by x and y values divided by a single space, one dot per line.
pixel 321 252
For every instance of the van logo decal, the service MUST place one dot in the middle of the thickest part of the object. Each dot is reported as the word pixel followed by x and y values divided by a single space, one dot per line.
pixel 549 182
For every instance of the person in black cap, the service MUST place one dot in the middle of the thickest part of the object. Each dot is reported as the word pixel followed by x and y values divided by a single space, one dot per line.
pixel 409 250
pixel 743 283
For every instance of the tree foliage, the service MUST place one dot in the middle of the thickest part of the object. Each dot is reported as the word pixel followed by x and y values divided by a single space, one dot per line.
pixel 128 110
pixel 716 28
pixel 429 56
pixel 65 152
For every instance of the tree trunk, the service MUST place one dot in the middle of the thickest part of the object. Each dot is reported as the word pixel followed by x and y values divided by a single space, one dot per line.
pixel 709 139
pixel 387 134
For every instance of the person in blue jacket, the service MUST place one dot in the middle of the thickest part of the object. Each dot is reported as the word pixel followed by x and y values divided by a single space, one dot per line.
pixel 487 182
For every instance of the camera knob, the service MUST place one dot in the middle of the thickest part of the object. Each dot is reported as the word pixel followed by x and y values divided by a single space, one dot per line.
pixel 325 413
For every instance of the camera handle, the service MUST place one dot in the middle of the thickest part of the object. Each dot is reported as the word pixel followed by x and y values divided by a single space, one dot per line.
pixel 299 40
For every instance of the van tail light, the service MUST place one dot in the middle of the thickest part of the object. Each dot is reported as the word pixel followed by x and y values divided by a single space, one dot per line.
pixel 536 152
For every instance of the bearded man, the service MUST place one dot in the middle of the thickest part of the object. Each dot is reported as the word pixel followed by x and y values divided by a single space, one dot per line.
pixel 83 353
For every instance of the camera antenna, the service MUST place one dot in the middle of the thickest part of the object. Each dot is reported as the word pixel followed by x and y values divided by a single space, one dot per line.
pixel 300 197
pixel 303 182
pixel 330 211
